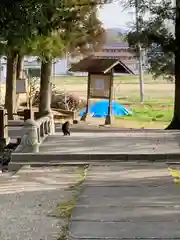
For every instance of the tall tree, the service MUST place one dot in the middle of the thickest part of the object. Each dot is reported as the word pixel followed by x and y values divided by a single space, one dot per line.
pixel 17 22
pixel 160 63
pixel 78 31
pixel 161 41
pixel 24 20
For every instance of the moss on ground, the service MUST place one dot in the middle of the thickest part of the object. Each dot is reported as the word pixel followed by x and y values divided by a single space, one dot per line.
pixel 64 209
pixel 175 173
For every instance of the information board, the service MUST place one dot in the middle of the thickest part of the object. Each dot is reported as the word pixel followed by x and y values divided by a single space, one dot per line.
pixel 99 86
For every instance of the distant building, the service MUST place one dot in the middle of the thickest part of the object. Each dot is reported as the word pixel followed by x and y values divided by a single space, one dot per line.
pixel 121 51
pixel 32 65
pixel 61 66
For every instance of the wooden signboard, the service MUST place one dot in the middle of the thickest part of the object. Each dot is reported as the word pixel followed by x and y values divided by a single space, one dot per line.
pixel 99 85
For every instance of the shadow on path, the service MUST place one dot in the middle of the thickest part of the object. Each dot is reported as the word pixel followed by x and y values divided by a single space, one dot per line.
pixel 127 202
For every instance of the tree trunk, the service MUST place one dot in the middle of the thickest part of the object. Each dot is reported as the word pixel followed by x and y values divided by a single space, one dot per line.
pixel 10 98
pixel 19 73
pixel 175 123
pixel 45 88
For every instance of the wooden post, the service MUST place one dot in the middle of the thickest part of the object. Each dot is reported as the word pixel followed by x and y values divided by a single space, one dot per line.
pixel 108 119
pixel 83 118
pixel 28 114
pixel 4 139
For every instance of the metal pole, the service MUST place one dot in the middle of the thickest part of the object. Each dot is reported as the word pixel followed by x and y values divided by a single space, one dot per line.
pixel 140 56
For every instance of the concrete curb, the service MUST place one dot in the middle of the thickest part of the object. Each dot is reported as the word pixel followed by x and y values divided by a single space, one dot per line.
pixel 57 157
pixel 91 128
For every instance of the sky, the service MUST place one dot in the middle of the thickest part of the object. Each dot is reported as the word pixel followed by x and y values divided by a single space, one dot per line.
pixel 113 15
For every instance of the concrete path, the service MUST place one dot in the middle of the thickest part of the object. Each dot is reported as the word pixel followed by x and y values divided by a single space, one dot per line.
pixel 127 201
pixel 29 198
pixel 113 142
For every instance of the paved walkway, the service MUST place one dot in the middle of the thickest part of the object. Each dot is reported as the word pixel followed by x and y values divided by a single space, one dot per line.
pixel 113 142
pixel 127 201
pixel 29 198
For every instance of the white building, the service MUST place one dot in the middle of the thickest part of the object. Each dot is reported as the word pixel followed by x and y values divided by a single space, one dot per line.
pixel 60 66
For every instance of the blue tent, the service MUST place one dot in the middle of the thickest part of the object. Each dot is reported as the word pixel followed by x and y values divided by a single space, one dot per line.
pixel 100 109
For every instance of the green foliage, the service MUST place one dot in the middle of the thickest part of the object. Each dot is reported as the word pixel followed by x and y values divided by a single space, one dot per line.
pixel 33 72
pixel 46 47
pixel 49 29
pixel 156 35
pixel 120 38
pixel 78 30
pixel 17 22
pixel 24 20
pixel 161 63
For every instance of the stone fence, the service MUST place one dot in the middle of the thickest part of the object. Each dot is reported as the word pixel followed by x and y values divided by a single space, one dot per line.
pixel 34 132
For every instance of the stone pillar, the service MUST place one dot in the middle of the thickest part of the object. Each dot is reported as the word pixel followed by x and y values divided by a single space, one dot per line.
pixel 46 128
pixel 74 115
pixel 4 139
pixel 29 142
pixel 52 124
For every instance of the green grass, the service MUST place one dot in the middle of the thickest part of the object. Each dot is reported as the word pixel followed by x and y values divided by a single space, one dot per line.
pixel 175 173
pixel 157 110
pixel 149 112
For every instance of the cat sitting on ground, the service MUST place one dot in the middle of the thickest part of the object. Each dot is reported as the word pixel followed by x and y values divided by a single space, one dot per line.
pixel 66 128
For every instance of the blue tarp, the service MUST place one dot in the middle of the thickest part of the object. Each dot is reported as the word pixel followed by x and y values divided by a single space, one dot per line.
pixel 100 109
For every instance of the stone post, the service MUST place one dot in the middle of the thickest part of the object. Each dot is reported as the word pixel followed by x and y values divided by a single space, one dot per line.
pixel 52 124
pixel 4 139
pixel 29 142
pixel 74 116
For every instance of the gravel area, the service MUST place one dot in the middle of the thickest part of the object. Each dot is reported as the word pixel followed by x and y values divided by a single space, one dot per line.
pixel 25 212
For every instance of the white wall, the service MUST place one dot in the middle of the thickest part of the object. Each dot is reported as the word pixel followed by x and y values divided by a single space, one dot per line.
pixel 59 68
pixel 3 73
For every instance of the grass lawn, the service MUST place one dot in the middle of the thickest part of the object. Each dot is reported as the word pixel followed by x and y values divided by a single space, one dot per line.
pixel 156 112
pixel 147 116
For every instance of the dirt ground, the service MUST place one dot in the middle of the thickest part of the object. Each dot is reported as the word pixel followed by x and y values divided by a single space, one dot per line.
pixel 159 90
pixel 123 123
pixel 152 92
pixel 160 93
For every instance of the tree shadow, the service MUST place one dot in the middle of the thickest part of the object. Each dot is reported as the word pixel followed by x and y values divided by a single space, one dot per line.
pixel 128 198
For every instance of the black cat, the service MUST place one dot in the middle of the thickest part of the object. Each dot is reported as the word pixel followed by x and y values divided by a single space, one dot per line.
pixel 66 128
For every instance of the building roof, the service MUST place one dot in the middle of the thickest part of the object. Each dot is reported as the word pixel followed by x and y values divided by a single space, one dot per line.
pixel 116 45
pixel 100 65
